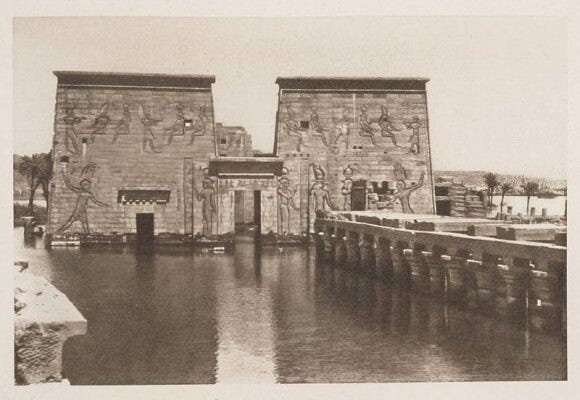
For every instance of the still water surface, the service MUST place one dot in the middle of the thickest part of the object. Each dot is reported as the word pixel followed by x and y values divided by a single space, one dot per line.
pixel 271 316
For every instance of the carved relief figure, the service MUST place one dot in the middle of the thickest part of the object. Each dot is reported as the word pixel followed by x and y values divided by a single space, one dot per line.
pixel 199 126
pixel 100 123
pixel 208 205
pixel 365 127
pixel 149 138
pixel 346 188
pixel 414 139
pixel 122 127
pixel 316 128
pixel 387 128
pixel 178 128
pixel 403 192
pixel 71 137
pixel 293 128
pixel 399 171
pixel 318 192
pixel 285 201
pixel 84 195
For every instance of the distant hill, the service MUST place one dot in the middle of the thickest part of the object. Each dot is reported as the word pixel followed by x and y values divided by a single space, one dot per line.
pixel 475 178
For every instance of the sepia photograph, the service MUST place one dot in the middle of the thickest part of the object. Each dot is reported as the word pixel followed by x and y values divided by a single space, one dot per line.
pixel 289 200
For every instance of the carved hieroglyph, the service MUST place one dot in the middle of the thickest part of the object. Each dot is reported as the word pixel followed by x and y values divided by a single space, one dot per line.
pixel 208 202
pixel 84 194
pixel 285 201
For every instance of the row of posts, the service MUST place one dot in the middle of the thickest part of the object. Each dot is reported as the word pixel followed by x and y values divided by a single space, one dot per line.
pixel 506 287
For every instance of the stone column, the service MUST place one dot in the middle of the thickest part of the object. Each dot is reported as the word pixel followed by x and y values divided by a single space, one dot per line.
pixel 419 270
pixel 512 289
pixel 485 283
pixel 367 253
pixel 401 271
pixel 383 260
pixel 340 248
pixel 546 296
pixel 456 284
pixel 436 270
pixel 352 250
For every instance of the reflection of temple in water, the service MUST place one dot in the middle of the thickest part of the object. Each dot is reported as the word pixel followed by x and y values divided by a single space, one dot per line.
pixel 140 157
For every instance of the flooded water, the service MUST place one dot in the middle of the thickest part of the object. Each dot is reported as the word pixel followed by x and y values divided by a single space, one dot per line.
pixel 271 316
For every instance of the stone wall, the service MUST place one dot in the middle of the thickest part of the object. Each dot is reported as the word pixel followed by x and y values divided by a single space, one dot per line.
pixel 109 138
pixel 331 138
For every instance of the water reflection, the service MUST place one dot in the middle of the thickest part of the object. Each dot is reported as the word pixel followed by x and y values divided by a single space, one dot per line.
pixel 265 315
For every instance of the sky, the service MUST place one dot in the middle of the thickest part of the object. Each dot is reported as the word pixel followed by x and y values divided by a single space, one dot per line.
pixel 496 96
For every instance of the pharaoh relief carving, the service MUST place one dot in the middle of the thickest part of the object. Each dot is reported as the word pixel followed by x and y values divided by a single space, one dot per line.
pixel 84 195
pixel 122 127
pixel 293 128
pixel 329 137
pixel 414 139
pixel 346 188
pixel 286 203
pixel 71 121
pixel 149 139
pixel 100 122
pixel 403 193
pixel 178 127
pixel 199 126
pixel 208 203
pixel 384 126
pixel 318 191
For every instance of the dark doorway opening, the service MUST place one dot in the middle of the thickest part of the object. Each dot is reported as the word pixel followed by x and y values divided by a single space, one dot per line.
pixel 358 196
pixel 244 211
pixel 258 212
pixel 443 207
pixel 145 230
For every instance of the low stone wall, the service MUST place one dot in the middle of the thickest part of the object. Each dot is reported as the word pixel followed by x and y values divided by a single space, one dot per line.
pixel 44 319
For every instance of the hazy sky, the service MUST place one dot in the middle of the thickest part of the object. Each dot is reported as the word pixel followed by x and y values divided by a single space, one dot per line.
pixel 496 99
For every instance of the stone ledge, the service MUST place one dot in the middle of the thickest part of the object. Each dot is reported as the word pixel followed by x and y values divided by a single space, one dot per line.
pixel 44 319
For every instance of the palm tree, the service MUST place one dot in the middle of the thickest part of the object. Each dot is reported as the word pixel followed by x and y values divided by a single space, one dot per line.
pixel 504 187
pixel 45 174
pixel 38 170
pixel 490 180
pixel 530 189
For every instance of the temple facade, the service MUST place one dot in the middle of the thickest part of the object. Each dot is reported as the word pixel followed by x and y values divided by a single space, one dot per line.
pixel 140 156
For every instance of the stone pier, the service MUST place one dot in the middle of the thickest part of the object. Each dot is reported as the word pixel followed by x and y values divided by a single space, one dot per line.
pixel 510 278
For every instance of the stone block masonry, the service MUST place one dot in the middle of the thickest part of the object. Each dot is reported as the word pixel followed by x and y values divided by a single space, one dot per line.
pixel 139 132
pixel 355 144
pixel 131 146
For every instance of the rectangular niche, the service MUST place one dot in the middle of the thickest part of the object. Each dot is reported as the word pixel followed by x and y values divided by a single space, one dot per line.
pixel 143 196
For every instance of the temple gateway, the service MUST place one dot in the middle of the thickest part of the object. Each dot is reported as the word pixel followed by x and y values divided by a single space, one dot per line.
pixel 139 157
